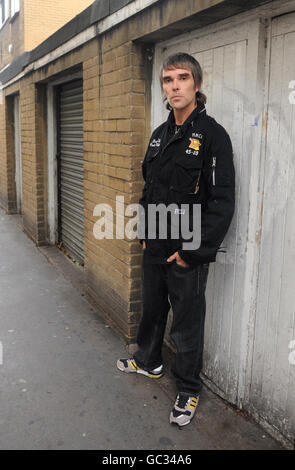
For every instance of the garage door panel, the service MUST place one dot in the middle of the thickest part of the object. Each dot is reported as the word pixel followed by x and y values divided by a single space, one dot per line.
pixel 273 377
pixel 283 25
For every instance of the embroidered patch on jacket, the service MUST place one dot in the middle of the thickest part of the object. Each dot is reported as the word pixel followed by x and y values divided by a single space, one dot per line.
pixel 198 136
pixel 155 143
pixel 195 144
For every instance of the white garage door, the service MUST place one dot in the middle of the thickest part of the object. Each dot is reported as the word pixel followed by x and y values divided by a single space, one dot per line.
pixel 273 376
pixel 228 56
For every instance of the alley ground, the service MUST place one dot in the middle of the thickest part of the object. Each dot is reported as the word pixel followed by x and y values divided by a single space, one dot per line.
pixel 59 385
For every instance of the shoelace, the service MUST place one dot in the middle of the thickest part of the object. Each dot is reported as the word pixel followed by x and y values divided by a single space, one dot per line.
pixel 182 401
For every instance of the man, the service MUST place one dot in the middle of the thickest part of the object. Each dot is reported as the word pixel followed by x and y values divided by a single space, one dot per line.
pixel 189 161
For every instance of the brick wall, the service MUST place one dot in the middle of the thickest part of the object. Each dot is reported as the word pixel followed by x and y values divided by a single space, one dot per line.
pixel 28 152
pixel 116 92
pixel 117 87
pixel 43 17
pixel 114 124
pixel 116 129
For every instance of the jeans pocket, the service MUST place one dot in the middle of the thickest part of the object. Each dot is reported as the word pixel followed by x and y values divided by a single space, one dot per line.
pixel 184 269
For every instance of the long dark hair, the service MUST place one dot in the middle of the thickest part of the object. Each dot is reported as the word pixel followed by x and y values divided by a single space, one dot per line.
pixel 181 60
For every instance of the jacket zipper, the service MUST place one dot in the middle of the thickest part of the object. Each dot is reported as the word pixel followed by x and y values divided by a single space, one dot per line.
pixel 213 173
pixel 174 139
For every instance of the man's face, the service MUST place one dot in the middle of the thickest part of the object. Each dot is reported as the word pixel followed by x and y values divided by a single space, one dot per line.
pixel 179 88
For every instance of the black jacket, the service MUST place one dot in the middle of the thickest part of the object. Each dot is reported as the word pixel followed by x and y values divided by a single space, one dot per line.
pixel 192 166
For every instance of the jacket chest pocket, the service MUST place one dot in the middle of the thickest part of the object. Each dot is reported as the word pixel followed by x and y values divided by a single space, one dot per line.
pixel 186 175
pixel 150 161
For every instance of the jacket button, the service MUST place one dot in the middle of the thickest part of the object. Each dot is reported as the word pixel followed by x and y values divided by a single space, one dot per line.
pixel 171 187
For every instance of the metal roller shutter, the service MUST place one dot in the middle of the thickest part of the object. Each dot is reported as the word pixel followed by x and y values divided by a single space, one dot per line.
pixel 71 171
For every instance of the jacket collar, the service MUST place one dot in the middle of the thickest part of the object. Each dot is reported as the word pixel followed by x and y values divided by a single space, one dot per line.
pixel 200 110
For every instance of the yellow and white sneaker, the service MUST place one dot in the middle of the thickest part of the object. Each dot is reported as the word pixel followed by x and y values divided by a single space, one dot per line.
pixel 184 409
pixel 129 366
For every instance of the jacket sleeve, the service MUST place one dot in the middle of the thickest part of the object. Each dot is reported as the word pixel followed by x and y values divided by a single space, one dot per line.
pixel 217 213
pixel 143 199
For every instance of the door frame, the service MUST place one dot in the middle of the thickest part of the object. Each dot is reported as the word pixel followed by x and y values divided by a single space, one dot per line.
pixel 17 153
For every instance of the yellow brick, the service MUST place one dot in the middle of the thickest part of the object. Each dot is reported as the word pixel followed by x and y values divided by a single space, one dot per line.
pixel 43 17
pixel 124 125
pixel 110 125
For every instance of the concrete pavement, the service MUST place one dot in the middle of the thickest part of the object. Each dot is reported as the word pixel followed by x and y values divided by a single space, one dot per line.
pixel 59 386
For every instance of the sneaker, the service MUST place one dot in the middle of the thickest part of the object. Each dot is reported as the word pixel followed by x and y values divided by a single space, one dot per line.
pixel 184 409
pixel 129 365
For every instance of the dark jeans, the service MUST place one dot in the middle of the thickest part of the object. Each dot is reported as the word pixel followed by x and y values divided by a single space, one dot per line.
pixel 185 289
